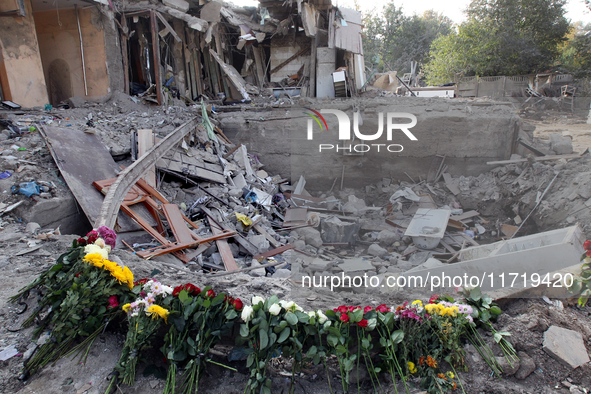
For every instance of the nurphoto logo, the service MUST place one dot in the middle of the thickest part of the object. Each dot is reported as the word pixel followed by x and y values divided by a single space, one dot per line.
pixel 344 132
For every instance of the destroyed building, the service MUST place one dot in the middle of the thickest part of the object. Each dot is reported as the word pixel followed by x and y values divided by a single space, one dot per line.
pixel 52 51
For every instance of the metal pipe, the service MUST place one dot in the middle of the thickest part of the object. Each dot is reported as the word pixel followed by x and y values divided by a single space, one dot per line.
pixel 81 50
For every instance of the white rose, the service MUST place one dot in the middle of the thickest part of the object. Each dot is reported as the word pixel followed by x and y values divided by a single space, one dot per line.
pixel 167 289
pixel 321 317
pixel 247 313
pixel 89 249
pixel 100 242
pixel 297 307
pixel 312 314
pixel 275 309
pixel 288 305
pixel 257 299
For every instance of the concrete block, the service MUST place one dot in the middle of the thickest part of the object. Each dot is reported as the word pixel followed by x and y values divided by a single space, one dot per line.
pixel 311 236
pixel 387 238
pixel 211 11
pixel 377 250
pixel 180 5
pixel 566 346
pixel 561 145
pixel 76 102
pixel 334 230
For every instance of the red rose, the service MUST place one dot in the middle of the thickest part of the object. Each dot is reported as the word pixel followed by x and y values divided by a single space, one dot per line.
pixel 238 304
pixel 113 302
pixel 342 309
pixel 589 253
pixel 587 245
pixel 92 236
pixel 383 308
pixel 192 289
pixel 433 299
pixel 78 274
pixel 362 323
pixel 367 309
pixel 344 317
pixel 210 293
pixel 354 308
pixel 82 242
pixel 176 291
pixel 231 300
pixel 140 282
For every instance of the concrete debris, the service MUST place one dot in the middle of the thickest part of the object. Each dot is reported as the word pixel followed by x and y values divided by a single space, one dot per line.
pixel 566 346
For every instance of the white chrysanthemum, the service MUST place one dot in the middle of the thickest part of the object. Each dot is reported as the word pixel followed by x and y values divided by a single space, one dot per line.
pixel 321 317
pixel 288 305
pixel 167 290
pixel 89 249
pixel 247 313
pixel 257 299
pixel 148 285
pixel 275 309
pixel 156 288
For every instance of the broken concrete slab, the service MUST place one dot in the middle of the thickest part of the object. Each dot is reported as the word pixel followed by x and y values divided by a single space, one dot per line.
pixel 566 346
pixel 376 250
pixel 311 236
pixel 334 230
pixel 561 145
pixel 387 238
pixel 180 5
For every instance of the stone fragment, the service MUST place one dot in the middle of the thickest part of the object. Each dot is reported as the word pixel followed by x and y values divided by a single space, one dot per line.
pixel 566 346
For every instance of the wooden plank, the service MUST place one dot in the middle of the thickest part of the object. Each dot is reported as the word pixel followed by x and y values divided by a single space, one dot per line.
pixel 124 43
pixel 273 241
pixel 234 75
pixel 168 27
pixel 223 248
pixel 274 252
pixel 258 61
pixel 542 158
pixel 145 140
pixel 156 57
pixel 465 215
pixel 176 223
pixel 234 149
pixel 245 243
pixel 450 184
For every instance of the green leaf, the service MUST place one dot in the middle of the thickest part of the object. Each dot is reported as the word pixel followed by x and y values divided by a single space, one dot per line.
pixel 231 314
pixel 495 310
pixel 250 360
pixel 263 338
pixel 485 315
pixel 397 336
pixel 244 330
pixel 218 299
pixel 332 340
pixel 341 349
pixel 291 318
pixel 475 294
pixel 312 351
pixel 284 334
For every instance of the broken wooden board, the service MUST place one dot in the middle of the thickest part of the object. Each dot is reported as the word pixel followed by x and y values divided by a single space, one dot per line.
pixel 451 184
pixel 223 248
pixel 234 75
pixel 274 252
pixel 465 215
pixel 82 159
pixel 508 230
pixel 145 140
pixel 272 241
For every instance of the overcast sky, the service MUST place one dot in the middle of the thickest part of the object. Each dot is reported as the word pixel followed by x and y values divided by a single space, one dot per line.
pixel 576 9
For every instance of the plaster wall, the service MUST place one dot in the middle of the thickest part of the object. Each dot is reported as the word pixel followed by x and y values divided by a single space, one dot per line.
pixel 22 59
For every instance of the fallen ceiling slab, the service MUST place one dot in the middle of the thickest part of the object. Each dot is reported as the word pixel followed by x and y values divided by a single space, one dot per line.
pixel 82 158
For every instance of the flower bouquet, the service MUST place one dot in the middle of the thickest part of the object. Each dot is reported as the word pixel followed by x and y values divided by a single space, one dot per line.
pixel 198 321
pixel 268 326
pixel 144 316
pixel 80 293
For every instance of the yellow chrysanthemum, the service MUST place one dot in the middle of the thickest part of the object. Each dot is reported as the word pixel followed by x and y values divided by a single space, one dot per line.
pixel 94 258
pixel 126 307
pixel 411 367
pixel 156 310
pixel 128 277
pixel 111 266
pixel 417 303
pixel 450 374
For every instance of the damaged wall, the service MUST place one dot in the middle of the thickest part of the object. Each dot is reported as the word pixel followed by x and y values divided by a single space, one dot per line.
pixel 60 52
pixel 469 133
pixel 284 48
pixel 22 59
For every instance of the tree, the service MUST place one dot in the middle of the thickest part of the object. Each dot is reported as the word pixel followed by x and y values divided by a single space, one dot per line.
pixel 576 52
pixel 501 37
pixel 392 40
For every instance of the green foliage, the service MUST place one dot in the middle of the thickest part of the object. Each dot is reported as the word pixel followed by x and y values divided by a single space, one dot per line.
pixel 392 40
pixel 575 54
pixel 500 37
